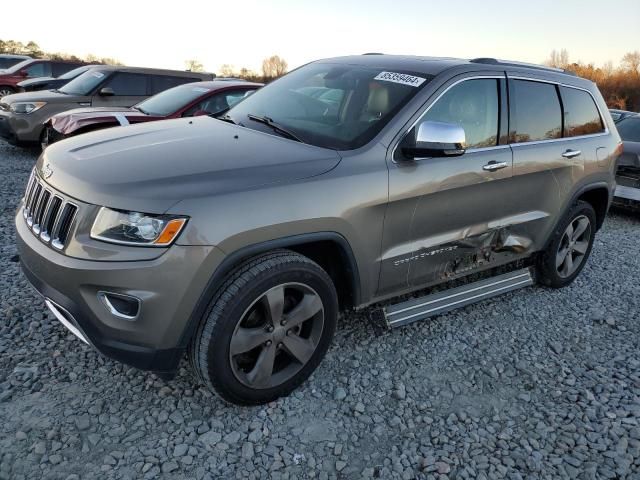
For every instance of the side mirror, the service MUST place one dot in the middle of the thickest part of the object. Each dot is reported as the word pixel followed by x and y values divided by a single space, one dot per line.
pixel 23 73
pixel 436 139
pixel 106 92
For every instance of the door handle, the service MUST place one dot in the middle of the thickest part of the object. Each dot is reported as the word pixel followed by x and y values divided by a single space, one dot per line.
pixel 492 166
pixel 571 153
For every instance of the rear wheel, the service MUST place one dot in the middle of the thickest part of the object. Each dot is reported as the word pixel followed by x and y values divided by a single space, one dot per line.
pixel 569 248
pixel 267 328
pixel 4 90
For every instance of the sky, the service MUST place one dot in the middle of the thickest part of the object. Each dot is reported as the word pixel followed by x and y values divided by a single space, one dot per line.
pixel 166 33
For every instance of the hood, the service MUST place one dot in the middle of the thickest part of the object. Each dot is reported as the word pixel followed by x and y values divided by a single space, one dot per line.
pixel 151 166
pixel 69 121
pixel 35 81
pixel 48 96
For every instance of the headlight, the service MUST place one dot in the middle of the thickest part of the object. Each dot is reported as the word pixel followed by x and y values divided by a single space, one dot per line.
pixel 134 228
pixel 26 107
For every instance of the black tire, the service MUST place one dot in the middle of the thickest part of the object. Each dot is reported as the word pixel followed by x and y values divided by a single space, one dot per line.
pixel 243 290
pixel 549 273
pixel 6 90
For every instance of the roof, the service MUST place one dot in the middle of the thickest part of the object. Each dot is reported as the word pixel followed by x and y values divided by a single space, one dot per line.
pixel 11 55
pixel 435 65
pixel 160 71
pixel 217 84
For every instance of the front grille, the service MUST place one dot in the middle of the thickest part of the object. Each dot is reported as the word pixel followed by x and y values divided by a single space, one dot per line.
pixel 49 215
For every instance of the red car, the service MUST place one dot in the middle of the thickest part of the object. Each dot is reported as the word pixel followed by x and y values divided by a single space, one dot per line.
pixel 191 99
pixel 32 68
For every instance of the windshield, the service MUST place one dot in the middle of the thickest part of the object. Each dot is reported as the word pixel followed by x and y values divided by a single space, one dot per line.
pixel 74 73
pixel 629 129
pixel 84 83
pixel 331 105
pixel 169 101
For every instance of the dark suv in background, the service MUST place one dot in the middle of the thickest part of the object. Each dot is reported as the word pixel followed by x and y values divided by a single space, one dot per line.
pixel 32 68
pixel 22 115
pixel 49 82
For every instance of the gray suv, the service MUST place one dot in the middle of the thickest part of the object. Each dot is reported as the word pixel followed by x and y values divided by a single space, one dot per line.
pixel 344 184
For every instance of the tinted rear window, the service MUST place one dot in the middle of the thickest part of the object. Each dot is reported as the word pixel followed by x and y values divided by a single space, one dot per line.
pixel 629 129
pixel 581 116
pixel 537 113
pixel 128 84
pixel 160 83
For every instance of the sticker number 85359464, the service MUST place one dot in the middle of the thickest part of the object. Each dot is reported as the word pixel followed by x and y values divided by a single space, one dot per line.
pixel 402 78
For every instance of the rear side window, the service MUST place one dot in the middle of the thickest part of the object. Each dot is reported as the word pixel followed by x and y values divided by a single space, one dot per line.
pixel 581 116
pixel 128 84
pixel 536 111
pixel 160 83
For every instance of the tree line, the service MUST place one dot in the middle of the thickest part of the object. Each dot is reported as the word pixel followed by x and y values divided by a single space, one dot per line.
pixel 33 50
pixel 620 86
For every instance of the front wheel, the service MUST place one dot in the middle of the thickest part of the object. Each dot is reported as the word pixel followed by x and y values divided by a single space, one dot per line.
pixel 569 247
pixel 4 91
pixel 266 330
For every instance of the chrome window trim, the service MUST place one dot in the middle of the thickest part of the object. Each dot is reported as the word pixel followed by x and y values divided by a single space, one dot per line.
pixel 560 84
pixel 507 77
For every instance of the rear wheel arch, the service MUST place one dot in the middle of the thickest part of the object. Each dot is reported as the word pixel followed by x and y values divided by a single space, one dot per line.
pixel 330 250
pixel 598 197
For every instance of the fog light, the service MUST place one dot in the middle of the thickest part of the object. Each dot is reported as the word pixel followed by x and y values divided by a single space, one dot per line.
pixel 119 305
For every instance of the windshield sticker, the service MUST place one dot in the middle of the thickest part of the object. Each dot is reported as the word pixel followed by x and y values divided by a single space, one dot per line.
pixel 402 78
pixel 200 89
pixel 98 74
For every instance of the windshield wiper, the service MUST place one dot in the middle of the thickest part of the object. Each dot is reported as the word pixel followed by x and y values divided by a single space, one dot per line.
pixel 277 128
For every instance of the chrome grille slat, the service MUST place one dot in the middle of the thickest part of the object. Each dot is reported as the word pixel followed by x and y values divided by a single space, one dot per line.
pixel 48 215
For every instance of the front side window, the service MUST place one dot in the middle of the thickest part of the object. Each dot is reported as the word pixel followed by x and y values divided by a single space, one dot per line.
pixel 336 106
pixel 581 116
pixel 128 84
pixel 537 114
pixel 40 69
pixel 473 105
pixel 629 129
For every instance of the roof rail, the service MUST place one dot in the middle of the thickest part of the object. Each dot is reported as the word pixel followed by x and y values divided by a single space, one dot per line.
pixel 509 63
pixel 373 53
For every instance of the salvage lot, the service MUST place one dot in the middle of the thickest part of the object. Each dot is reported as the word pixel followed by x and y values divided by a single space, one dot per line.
pixel 535 384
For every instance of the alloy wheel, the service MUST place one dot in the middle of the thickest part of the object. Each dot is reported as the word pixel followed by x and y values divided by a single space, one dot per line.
pixel 277 335
pixel 573 246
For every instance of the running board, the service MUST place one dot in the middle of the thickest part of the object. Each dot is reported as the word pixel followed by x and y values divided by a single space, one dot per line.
pixel 436 303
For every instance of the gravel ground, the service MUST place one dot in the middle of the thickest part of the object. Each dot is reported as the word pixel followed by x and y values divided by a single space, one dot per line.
pixel 535 384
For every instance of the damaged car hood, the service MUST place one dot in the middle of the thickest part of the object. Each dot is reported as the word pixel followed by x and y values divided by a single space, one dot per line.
pixel 149 167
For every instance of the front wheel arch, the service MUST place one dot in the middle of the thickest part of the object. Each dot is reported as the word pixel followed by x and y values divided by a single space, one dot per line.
pixel 295 243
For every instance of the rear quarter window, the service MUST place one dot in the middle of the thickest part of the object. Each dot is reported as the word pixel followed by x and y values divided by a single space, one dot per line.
pixel 536 111
pixel 581 116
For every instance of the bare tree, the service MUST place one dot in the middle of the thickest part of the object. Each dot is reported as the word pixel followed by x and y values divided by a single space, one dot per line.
pixel 194 66
pixel 631 60
pixel 226 70
pixel 274 66
pixel 558 59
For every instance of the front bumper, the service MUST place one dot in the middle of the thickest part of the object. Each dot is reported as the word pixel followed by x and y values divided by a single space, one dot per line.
pixel 169 288
pixel 627 192
pixel 16 128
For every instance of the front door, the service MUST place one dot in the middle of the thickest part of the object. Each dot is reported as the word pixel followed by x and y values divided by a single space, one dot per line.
pixel 446 215
pixel 128 89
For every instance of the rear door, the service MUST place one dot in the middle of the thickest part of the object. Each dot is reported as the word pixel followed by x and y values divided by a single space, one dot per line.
pixel 128 89
pixel 443 212
pixel 555 133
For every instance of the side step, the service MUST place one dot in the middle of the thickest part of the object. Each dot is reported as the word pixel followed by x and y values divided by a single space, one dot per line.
pixel 436 303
